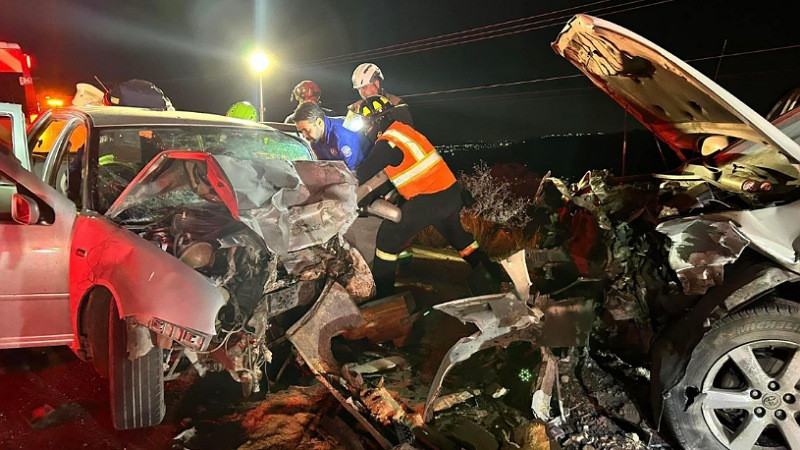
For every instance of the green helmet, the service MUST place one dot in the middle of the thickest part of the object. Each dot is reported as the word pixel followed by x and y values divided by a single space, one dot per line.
pixel 243 110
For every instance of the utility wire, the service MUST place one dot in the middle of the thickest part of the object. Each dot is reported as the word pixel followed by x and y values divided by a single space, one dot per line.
pixel 492 86
pixel 476 37
pixel 752 52
pixel 406 45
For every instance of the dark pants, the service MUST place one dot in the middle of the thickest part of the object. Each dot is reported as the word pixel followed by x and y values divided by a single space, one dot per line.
pixel 443 211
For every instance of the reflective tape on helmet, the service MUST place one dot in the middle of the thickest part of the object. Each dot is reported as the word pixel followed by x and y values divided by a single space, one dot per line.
pixel 106 159
pixel 385 256
pixel 469 249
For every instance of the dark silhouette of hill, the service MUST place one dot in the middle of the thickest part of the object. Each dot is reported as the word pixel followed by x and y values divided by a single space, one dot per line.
pixel 570 156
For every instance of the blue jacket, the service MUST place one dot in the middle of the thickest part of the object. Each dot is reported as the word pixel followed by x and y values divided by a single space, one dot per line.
pixel 339 143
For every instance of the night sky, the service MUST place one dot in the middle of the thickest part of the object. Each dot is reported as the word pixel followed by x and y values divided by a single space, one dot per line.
pixel 195 51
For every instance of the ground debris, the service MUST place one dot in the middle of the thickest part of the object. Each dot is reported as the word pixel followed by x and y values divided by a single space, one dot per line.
pixel 291 419
pixel 530 436
pixel 597 413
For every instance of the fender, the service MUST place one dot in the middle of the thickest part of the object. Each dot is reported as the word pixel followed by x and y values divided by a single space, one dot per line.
pixel 674 345
pixel 145 281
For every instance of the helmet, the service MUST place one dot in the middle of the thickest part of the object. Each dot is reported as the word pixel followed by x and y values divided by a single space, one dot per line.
pixel 243 110
pixel 374 107
pixel 365 74
pixel 306 90
pixel 373 116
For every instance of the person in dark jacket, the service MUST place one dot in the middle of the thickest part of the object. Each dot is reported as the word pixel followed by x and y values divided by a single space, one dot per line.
pixel 430 190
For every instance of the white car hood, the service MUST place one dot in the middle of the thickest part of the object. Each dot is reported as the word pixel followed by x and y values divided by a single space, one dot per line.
pixel 675 101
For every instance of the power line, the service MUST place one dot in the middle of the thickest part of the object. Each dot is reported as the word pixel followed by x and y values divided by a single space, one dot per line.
pixel 476 37
pixel 752 52
pixel 513 96
pixel 492 86
pixel 405 45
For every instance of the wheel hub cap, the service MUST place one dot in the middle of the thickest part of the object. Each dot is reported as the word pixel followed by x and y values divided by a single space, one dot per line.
pixel 772 401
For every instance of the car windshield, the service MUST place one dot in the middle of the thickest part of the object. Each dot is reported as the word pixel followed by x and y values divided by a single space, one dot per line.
pixel 124 152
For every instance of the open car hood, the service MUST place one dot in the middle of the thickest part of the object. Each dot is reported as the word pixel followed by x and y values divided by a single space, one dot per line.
pixel 292 205
pixel 675 101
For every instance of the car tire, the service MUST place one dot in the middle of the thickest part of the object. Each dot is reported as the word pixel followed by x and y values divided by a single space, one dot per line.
pixel 718 374
pixel 136 387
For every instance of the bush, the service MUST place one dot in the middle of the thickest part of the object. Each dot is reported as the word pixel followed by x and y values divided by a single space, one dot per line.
pixel 494 199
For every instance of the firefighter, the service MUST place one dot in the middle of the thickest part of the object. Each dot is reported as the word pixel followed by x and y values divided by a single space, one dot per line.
pixel 306 91
pixel 329 139
pixel 368 81
pixel 243 110
pixel 420 175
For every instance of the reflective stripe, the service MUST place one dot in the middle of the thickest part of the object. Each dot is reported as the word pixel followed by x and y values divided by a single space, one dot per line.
pixel 416 170
pixel 385 256
pixel 412 146
pixel 106 159
pixel 470 248
pixel 404 254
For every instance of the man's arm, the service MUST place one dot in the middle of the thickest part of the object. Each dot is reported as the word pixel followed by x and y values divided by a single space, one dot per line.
pixel 382 154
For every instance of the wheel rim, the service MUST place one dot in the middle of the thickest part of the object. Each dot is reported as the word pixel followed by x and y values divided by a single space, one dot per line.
pixel 750 398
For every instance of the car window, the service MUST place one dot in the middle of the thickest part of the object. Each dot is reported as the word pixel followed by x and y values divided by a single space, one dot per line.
pixel 123 152
pixel 6 142
pixel 68 167
pixel 43 144
pixel 7 190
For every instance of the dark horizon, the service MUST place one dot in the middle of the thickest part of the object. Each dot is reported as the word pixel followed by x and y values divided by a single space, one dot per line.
pixel 194 51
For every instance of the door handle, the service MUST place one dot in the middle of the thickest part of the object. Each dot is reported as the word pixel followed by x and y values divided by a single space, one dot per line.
pixel 80 252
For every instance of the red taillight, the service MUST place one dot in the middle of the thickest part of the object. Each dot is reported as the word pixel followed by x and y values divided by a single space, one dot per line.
pixel 29 62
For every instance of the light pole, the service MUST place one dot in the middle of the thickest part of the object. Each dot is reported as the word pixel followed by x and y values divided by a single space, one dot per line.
pixel 259 62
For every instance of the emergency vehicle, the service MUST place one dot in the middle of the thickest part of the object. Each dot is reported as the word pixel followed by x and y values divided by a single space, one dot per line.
pixel 16 82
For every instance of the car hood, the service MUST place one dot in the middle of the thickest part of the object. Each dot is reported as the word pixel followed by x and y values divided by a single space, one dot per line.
pixel 675 101
pixel 292 205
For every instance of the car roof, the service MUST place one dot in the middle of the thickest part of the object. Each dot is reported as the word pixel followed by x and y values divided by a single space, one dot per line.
pixel 116 116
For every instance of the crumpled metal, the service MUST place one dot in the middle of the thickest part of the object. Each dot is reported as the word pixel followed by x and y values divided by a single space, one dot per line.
pixel 700 249
pixel 293 205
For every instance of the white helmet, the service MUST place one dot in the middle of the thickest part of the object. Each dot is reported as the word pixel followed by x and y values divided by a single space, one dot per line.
pixel 365 74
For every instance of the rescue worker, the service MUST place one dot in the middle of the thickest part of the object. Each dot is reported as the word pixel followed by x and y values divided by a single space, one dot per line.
pixel 367 79
pixel 243 110
pixel 423 179
pixel 306 91
pixel 329 139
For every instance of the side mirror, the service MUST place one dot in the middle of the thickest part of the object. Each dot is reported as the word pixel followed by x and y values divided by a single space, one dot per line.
pixel 24 210
pixel 385 210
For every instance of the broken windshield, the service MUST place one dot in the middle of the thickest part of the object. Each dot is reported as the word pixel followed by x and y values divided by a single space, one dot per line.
pixel 123 152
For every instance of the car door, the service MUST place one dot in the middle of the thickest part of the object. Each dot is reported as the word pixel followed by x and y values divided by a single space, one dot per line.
pixel 34 260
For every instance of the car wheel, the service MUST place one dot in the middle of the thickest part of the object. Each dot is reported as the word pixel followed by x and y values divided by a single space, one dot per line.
pixel 137 387
pixel 741 385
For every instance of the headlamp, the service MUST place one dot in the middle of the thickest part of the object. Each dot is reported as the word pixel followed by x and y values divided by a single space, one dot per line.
pixel 354 121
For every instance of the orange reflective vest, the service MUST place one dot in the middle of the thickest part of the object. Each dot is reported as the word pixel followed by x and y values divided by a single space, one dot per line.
pixel 422 171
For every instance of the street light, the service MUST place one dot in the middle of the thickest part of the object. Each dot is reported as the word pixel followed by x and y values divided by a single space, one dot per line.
pixel 259 62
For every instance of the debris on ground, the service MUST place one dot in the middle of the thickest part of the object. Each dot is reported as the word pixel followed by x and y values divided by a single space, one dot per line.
pixel 46 416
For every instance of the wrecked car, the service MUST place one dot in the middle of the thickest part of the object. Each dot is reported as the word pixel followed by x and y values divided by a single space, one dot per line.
pixel 706 255
pixel 140 237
